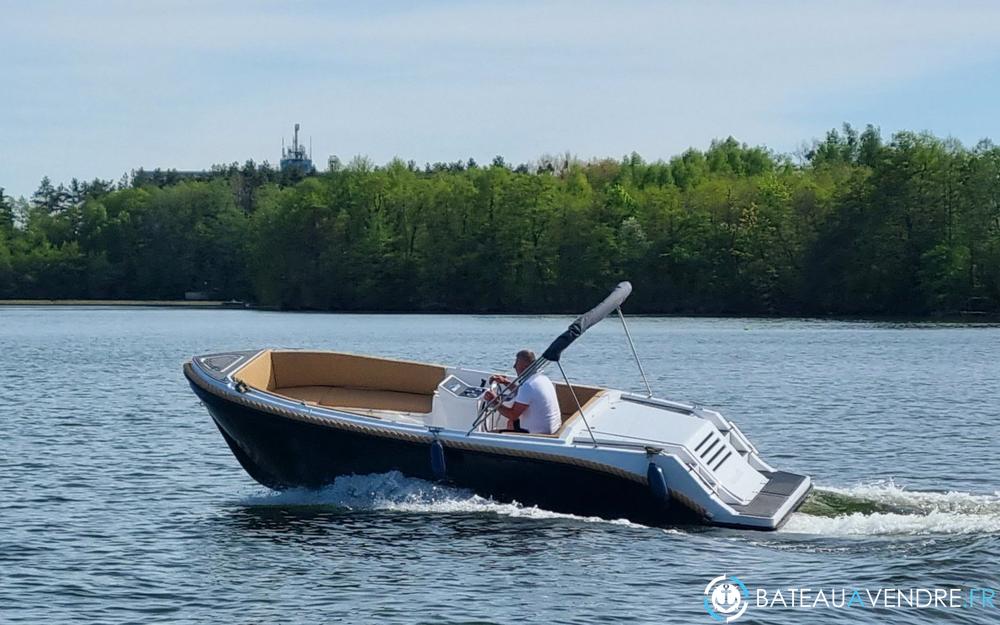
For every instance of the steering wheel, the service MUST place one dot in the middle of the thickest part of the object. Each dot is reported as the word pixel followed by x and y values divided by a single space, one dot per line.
pixel 489 408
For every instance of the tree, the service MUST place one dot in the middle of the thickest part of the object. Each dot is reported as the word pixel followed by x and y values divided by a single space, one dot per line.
pixel 864 226
pixel 6 214
pixel 49 198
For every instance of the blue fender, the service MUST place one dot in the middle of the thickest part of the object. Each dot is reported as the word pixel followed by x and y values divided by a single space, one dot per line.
pixel 657 484
pixel 438 467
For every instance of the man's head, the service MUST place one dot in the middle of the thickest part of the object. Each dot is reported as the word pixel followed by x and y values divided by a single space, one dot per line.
pixel 523 360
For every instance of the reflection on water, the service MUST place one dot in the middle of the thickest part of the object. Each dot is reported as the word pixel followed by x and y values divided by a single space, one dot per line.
pixel 121 503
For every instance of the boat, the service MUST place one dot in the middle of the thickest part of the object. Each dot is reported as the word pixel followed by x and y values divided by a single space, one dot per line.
pixel 298 418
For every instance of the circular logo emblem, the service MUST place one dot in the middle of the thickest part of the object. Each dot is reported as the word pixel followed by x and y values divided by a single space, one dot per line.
pixel 726 598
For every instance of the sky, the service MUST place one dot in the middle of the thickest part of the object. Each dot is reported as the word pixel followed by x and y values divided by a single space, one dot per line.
pixel 96 89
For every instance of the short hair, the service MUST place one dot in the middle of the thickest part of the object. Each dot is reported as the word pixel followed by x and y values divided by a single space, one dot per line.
pixel 527 355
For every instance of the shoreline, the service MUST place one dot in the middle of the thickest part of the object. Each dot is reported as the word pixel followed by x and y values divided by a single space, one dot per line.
pixel 967 318
pixel 134 303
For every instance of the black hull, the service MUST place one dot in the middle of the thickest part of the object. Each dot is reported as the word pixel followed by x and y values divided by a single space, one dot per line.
pixel 281 452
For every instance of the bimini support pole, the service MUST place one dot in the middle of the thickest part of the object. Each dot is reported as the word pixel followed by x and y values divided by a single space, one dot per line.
pixel 628 335
pixel 577 400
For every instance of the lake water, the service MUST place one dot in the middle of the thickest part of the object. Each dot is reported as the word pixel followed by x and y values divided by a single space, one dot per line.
pixel 120 502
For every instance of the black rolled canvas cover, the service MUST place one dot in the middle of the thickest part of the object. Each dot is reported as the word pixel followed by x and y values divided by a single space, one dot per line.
pixel 587 320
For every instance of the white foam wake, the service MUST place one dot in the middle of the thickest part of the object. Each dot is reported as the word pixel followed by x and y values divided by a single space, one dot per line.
pixel 897 511
pixel 395 492
pixel 903 512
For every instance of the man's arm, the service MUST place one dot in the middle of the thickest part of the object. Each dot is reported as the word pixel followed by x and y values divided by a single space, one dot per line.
pixel 513 413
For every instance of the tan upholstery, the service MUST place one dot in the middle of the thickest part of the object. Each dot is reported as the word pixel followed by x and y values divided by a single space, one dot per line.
pixel 258 373
pixel 359 398
pixel 345 380
pixel 588 396
pixel 349 381
pixel 567 405
pixel 332 369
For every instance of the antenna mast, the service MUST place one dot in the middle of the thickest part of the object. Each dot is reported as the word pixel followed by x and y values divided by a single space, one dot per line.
pixel 295 158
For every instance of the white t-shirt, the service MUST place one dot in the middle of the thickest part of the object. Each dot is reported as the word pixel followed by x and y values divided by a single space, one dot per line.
pixel 542 416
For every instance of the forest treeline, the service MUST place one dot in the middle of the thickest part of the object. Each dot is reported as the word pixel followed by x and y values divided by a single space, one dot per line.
pixel 856 226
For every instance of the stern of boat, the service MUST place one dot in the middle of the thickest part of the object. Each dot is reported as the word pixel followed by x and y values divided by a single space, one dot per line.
pixel 702 459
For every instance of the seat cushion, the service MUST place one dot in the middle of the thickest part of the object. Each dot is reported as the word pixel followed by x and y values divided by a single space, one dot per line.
pixel 295 369
pixel 341 397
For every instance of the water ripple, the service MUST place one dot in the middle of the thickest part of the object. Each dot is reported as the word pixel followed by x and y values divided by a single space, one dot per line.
pixel 121 504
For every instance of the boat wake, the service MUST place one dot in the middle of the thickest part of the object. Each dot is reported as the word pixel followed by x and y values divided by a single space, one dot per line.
pixel 884 508
pixel 395 492
pixel 873 509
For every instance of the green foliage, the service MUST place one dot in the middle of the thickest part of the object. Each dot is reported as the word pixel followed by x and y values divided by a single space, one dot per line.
pixel 911 226
pixel 6 214
pixel 6 269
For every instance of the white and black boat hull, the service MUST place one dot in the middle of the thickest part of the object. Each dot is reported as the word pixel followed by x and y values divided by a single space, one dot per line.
pixel 282 451
pixel 284 444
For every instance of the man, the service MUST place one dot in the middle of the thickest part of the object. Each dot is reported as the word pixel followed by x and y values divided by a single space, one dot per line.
pixel 535 406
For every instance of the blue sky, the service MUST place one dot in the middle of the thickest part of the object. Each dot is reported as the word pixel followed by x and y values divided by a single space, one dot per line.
pixel 99 88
